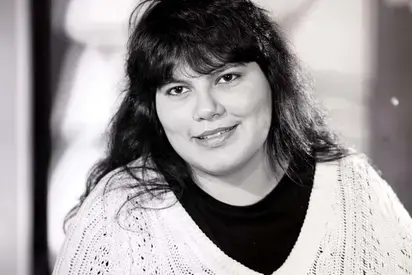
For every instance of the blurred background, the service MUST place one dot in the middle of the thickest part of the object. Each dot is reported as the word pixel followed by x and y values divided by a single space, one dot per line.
pixel 61 75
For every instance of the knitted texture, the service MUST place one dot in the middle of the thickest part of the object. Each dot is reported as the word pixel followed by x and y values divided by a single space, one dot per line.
pixel 354 224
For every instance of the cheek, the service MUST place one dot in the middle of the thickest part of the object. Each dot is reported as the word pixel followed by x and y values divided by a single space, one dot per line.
pixel 251 102
pixel 172 118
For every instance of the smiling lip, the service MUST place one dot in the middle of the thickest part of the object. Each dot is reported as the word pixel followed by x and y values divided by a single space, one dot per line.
pixel 215 131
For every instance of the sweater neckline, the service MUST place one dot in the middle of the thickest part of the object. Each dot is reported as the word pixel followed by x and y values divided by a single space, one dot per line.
pixel 297 170
pixel 305 250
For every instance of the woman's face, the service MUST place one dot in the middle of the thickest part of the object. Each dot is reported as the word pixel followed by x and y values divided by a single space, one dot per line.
pixel 216 122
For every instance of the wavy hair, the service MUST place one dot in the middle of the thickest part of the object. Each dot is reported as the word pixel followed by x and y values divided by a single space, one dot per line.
pixel 205 35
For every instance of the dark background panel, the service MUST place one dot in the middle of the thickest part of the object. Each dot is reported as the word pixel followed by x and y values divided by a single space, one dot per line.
pixel 41 143
pixel 391 125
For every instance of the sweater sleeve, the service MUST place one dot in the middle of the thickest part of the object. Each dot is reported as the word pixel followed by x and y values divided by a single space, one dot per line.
pixel 392 204
pixel 397 219
pixel 95 242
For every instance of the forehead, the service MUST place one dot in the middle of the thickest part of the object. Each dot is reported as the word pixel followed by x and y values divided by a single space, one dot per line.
pixel 184 70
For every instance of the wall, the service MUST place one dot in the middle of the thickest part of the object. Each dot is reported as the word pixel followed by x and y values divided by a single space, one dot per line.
pixel 8 162
pixel 14 138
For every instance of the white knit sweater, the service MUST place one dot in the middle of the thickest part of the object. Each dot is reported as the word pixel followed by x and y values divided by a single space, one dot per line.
pixel 355 224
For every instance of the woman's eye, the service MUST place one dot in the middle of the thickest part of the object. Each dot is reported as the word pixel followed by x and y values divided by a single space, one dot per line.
pixel 176 91
pixel 228 78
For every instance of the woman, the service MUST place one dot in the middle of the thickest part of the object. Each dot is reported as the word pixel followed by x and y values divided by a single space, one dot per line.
pixel 219 162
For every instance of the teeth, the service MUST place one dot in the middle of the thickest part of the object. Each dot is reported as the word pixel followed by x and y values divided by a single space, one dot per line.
pixel 215 135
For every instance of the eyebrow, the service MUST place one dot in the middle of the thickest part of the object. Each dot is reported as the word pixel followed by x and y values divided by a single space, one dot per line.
pixel 226 67
pixel 174 80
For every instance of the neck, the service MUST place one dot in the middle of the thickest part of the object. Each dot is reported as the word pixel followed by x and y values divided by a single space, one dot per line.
pixel 245 186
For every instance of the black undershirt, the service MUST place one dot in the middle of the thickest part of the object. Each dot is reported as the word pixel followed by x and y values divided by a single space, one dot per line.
pixel 259 236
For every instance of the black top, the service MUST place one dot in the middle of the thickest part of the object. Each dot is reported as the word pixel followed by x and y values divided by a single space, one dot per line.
pixel 259 236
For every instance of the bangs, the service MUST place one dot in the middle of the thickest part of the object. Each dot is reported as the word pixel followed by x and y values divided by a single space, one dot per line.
pixel 202 42
pixel 201 59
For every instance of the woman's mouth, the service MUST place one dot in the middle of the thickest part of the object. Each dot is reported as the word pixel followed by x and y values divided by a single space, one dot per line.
pixel 215 138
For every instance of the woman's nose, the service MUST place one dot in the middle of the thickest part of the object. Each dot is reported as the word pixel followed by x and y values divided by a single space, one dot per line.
pixel 207 107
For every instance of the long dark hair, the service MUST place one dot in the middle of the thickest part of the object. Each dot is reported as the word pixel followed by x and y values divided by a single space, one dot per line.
pixel 205 35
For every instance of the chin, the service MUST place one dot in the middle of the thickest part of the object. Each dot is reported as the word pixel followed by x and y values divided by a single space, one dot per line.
pixel 221 167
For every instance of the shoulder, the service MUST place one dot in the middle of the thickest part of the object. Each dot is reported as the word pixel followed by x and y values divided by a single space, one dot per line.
pixel 366 184
pixel 358 173
pixel 359 164
pixel 97 238
pixel 113 192
pixel 356 166
pixel 92 237
pixel 384 219
pixel 108 196
pixel 356 179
